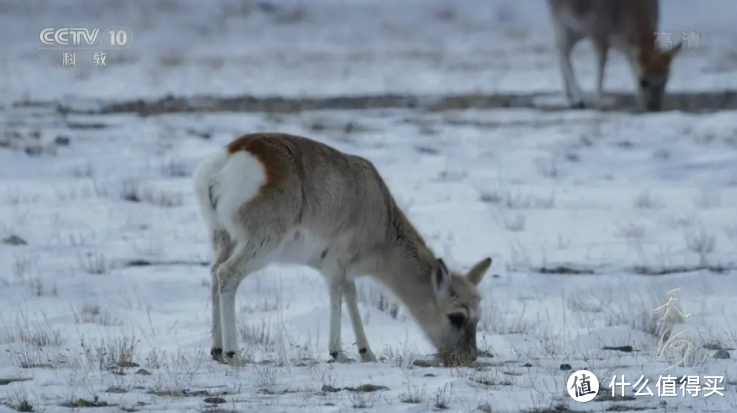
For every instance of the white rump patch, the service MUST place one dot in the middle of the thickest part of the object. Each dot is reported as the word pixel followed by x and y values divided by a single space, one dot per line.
pixel 230 181
pixel 237 183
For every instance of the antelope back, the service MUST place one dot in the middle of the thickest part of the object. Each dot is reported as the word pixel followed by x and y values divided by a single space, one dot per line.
pixel 339 196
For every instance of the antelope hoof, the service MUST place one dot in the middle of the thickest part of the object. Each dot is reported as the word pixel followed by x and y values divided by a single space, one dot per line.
pixel 367 356
pixel 233 359
pixel 578 105
pixel 217 354
pixel 340 357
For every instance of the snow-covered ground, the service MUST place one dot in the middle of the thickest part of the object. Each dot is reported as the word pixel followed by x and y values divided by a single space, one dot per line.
pixel 591 218
pixel 537 192
pixel 331 47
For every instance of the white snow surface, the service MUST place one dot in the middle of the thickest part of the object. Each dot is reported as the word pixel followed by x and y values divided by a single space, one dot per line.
pixel 580 190
pixel 330 47
pixel 606 193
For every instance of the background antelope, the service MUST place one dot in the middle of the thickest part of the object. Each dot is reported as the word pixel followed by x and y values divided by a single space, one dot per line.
pixel 630 26
pixel 277 198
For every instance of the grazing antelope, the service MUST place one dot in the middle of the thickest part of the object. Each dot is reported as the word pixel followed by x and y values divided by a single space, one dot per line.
pixel 277 198
pixel 629 26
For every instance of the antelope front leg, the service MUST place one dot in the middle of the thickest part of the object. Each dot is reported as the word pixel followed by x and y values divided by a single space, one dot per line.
pixel 351 301
pixel 601 58
pixel 336 302
pixel 565 40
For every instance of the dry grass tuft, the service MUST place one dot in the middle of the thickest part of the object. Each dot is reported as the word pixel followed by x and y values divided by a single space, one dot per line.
pixel 443 396
pixel 93 263
pixel 18 400
pixel 494 320
pixel 400 358
pixel 34 333
pixel 363 399
pixel 445 14
pixel 374 296
pixel 177 373
pixel 630 232
pixel 548 167
pixel 132 191
pixel 647 200
pixel 240 9
pixel 707 200
pixel 258 335
pixel 491 378
pixel 512 200
pixel 413 395
pixel 91 313
pixel 639 314
pixel 115 354
pixel 39 289
pixel 730 232
pixel 175 169
pixel 515 224
pixel 263 306
pixel 84 170
pixel 171 59
pixel 701 242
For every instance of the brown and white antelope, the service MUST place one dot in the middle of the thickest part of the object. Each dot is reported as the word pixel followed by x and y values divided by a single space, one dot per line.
pixel 629 26
pixel 277 198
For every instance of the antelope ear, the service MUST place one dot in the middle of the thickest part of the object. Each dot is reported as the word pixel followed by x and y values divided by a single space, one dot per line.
pixel 476 274
pixel 440 279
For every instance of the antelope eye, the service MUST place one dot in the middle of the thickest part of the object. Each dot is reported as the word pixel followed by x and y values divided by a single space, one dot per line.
pixel 457 320
pixel 643 83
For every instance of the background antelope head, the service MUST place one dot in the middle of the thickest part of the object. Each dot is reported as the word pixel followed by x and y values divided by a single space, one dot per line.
pixel 653 70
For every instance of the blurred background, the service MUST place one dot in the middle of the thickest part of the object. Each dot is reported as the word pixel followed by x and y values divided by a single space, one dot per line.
pixel 317 48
